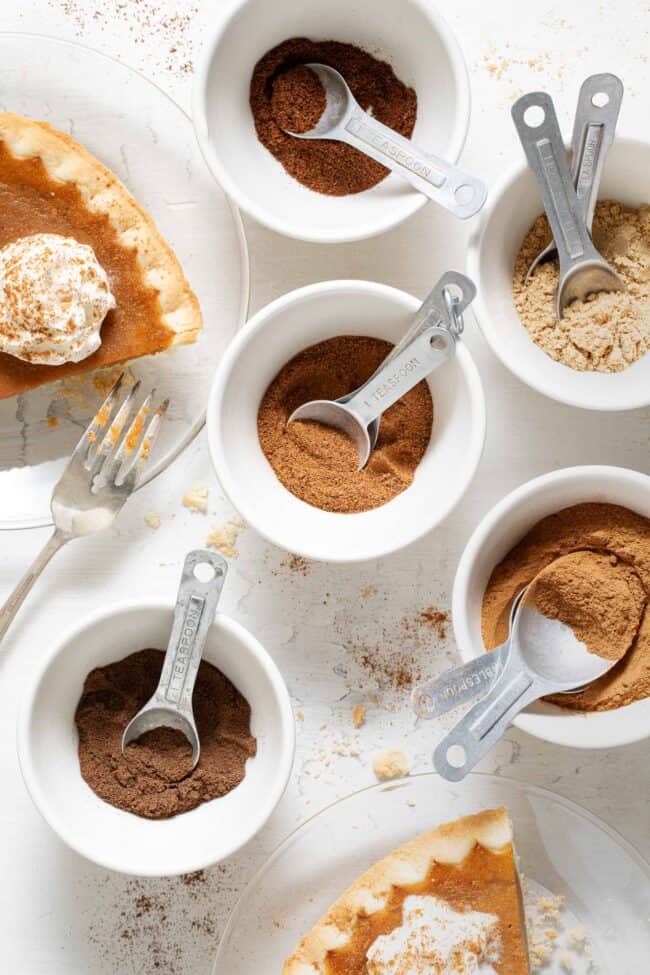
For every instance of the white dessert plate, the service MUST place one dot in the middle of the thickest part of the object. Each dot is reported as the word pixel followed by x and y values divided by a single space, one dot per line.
pixel 564 851
pixel 148 141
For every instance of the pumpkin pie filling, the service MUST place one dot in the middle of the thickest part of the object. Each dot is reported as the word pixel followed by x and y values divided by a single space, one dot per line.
pixel 445 903
pixel 484 881
pixel 32 201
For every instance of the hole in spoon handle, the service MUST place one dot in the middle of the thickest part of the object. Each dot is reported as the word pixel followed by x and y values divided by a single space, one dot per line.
pixel 484 724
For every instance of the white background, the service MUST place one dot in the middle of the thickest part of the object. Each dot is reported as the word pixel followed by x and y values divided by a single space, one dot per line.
pixel 59 914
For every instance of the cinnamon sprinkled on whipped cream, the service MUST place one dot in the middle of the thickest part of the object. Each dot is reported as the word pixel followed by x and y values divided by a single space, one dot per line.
pixel 54 296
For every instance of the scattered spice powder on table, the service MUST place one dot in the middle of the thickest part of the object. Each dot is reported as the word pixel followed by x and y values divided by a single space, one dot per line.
pixel 609 331
pixel 623 538
pixel 324 165
pixel 320 464
pixel 153 777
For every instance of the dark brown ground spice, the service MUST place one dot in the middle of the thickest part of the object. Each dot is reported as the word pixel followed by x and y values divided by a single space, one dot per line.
pixel 150 778
pixel 319 464
pixel 297 99
pixel 324 165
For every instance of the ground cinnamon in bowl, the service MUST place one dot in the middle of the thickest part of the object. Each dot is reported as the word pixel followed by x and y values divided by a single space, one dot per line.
pixel 599 597
pixel 611 549
pixel 319 464
pixel 324 165
pixel 153 777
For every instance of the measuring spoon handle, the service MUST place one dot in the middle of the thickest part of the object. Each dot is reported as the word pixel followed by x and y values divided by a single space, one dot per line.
pixel 468 682
pixel 546 156
pixel 433 310
pixel 457 191
pixel 593 133
pixel 486 723
pixel 399 374
pixel 196 605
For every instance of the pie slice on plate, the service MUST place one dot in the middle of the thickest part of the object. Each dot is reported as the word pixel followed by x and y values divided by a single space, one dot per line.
pixel 446 903
pixel 49 184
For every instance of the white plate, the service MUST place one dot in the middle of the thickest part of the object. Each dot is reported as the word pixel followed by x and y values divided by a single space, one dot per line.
pixel 563 850
pixel 148 141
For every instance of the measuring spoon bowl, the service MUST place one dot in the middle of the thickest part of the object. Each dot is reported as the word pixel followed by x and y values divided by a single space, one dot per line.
pixel 545 657
pixel 395 377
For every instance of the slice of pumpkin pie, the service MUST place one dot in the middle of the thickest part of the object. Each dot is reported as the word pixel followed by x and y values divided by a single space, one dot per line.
pixel 446 903
pixel 86 280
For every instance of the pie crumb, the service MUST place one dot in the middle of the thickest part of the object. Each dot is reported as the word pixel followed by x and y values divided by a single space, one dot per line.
pixel 566 962
pixel 391 764
pixel 196 499
pixel 358 716
pixel 224 537
pixel 152 519
pixel 300 716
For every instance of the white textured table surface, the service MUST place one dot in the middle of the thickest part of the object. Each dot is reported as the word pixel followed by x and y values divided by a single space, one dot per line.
pixel 59 914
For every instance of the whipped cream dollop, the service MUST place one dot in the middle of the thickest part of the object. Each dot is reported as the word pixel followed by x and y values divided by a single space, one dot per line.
pixel 54 296
pixel 434 939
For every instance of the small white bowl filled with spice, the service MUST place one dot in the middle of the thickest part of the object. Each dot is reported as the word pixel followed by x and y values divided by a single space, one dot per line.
pixel 402 63
pixel 597 357
pixel 144 810
pixel 599 516
pixel 298 486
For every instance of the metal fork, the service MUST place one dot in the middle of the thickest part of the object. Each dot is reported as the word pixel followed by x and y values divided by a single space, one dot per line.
pixel 102 473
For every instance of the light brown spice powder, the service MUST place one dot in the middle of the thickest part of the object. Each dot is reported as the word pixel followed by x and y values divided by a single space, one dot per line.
pixel 609 331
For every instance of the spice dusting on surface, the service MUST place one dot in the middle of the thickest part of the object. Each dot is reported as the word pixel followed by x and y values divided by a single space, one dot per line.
pixel 610 330
pixel 320 464
pixel 324 165
pixel 153 776
pixel 158 26
pixel 613 532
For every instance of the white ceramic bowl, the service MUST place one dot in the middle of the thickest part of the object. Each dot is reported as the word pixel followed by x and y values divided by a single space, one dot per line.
pixel 272 337
pixel 47 747
pixel 512 206
pixel 499 531
pixel 410 34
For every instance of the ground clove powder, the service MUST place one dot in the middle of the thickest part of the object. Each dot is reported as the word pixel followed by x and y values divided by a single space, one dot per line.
pixel 152 777
pixel 323 165
pixel 320 464
pixel 622 538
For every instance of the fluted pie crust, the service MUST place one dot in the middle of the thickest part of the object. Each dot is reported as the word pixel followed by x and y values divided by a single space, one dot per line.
pixel 51 184
pixel 470 863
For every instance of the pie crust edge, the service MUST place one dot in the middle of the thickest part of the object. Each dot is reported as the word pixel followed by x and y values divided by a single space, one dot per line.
pixel 67 161
pixel 409 864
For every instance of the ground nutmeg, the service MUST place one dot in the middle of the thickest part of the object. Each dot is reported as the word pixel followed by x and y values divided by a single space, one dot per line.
pixel 286 95
pixel 319 464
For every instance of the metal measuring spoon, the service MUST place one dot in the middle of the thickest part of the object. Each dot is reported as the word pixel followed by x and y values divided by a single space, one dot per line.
pixel 593 133
pixel 444 305
pixel 544 657
pixel 343 119
pixel 170 706
pixel 583 270
pixel 467 682
pixel 422 349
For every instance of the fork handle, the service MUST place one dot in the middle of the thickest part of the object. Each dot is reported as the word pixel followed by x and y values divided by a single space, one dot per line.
pixel 18 596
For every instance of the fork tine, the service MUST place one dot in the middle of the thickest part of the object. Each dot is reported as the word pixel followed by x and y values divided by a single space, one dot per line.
pixel 135 446
pixel 135 468
pixel 99 422
pixel 113 434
